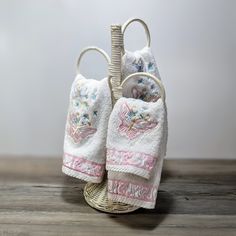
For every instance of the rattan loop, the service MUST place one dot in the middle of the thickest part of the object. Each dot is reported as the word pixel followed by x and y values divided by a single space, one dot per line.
pixel 128 22
pixel 154 78
pixel 92 48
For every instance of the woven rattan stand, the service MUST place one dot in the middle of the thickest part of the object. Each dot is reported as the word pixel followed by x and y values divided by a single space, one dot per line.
pixel 96 194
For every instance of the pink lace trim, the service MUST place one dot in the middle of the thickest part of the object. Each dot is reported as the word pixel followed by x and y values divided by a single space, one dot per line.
pixel 139 191
pixel 137 159
pixel 82 165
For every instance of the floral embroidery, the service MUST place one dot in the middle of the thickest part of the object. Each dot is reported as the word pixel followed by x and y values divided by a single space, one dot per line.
pixel 79 127
pixel 145 89
pixel 151 67
pixel 139 65
pixel 139 191
pixel 82 165
pixel 83 95
pixel 127 158
pixel 81 118
pixel 134 122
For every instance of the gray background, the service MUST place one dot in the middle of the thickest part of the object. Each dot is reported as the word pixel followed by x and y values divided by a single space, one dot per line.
pixel 194 44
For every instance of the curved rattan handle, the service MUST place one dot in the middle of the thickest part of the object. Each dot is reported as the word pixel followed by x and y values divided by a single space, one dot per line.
pixel 154 78
pixel 101 51
pixel 128 22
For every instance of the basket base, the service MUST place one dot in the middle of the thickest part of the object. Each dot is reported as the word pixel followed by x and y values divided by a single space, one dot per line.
pixel 96 196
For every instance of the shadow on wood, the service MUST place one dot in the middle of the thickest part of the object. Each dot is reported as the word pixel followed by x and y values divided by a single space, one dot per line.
pixel 72 191
pixel 144 218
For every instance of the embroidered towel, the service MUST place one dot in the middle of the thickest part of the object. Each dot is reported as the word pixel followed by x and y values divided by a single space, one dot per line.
pixel 134 190
pixel 86 129
pixel 135 135
pixel 142 88
pixel 136 146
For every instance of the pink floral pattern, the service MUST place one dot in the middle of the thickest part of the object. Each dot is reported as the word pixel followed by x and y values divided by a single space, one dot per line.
pixel 82 165
pixel 134 122
pixel 76 131
pixel 82 113
pixel 128 158
pixel 141 87
pixel 133 190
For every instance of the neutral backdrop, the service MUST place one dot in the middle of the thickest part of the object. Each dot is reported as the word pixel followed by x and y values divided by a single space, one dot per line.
pixel 194 44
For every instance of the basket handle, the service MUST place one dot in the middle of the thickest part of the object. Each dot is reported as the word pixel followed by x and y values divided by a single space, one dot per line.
pixel 128 22
pixel 92 48
pixel 154 78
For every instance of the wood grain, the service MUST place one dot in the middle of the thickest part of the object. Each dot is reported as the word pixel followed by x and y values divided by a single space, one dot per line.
pixel 196 197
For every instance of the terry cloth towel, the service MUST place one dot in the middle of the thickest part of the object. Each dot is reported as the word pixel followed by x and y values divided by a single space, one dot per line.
pixel 86 129
pixel 142 88
pixel 136 146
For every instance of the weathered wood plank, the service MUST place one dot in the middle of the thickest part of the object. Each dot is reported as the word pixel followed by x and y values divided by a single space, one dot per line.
pixel 195 197
pixel 52 166
pixel 70 198
pixel 45 223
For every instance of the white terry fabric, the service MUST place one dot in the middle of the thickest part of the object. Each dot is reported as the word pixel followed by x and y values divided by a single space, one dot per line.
pixel 135 157
pixel 142 87
pixel 86 129
pixel 134 138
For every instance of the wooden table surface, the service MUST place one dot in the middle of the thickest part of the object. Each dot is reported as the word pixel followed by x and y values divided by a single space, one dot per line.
pixel 196 197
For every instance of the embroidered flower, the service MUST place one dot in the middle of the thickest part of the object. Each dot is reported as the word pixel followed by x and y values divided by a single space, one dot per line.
pixel 79 127
pixel 81 119
pixel 138 64
pixel 141 87
pixel 151 67
pixel 134 122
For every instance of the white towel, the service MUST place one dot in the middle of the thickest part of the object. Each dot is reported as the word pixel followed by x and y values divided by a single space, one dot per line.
pixel 140 61
pixel 136 146
pixel 86 129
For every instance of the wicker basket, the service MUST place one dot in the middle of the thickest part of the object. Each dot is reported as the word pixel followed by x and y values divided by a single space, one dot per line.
pixel 96 194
